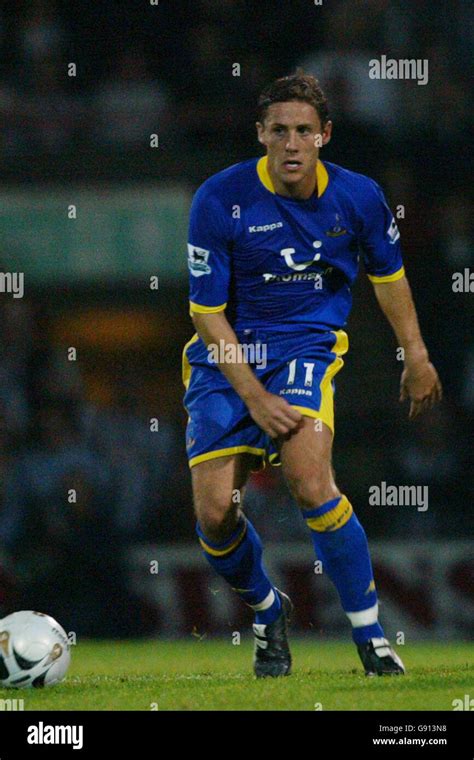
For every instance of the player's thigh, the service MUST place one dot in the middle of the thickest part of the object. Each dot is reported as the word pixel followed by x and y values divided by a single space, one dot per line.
pixel 219 485
pixel 306 458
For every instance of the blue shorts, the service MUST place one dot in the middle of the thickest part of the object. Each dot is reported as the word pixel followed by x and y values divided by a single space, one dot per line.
pixel 299 366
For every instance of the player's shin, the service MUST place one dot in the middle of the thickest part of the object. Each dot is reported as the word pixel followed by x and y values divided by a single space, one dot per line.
pixel 239 561
pixel 341 544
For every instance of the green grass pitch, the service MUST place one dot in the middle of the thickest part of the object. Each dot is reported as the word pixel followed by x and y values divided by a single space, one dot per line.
pixel 216 675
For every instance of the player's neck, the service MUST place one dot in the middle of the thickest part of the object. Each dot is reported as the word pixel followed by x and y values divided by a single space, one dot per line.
pixel 300 191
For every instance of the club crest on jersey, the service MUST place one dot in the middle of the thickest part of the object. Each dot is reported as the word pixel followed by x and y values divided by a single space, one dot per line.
pixel 197 260
pixel 337 230
pixel 393 232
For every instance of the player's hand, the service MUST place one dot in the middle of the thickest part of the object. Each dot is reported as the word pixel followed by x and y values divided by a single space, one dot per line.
pixel 274 414
pixel 420 383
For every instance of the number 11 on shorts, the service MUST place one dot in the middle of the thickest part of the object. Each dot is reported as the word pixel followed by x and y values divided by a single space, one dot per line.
pixel 308 378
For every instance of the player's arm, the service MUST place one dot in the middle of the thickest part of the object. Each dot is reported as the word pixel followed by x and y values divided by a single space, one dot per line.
pixel 380 244
pixel 271 412
pixel 209 261
pixel 419 382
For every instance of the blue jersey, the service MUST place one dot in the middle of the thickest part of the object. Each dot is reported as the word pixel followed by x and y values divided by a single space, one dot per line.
pixel 282 263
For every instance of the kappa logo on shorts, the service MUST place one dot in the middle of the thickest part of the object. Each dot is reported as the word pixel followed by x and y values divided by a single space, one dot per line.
pixel 197 260
pixel 295 392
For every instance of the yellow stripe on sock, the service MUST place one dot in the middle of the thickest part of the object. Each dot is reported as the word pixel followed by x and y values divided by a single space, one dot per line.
pixel 334 519
pixel 228 549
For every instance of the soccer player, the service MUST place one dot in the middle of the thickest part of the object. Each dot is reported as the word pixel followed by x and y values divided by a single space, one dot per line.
pixel 274 247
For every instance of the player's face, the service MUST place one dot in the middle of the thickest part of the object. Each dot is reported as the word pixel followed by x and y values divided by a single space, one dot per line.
pixel 293 135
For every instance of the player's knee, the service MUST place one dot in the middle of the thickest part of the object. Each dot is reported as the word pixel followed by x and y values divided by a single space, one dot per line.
pixel 312 490
pixel 217 520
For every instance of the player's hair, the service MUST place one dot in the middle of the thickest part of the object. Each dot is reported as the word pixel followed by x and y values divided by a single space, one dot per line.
pixel 298 86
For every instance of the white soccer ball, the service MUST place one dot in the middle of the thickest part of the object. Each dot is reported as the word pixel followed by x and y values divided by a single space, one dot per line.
pixel 34 650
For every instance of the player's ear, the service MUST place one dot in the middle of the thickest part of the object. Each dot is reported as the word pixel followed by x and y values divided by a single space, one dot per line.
pixel 327 132
pixel 260 131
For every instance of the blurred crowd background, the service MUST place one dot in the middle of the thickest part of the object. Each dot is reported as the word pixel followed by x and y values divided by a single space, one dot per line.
pixel 85 424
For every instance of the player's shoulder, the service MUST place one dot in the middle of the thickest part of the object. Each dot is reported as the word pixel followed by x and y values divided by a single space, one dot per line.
pixel 346 180
pixel 228 182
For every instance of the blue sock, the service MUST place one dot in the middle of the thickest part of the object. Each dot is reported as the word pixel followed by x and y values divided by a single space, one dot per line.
pixel 341 544
pixel 239 561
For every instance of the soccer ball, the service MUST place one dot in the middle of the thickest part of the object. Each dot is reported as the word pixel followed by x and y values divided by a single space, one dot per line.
pixel 34 650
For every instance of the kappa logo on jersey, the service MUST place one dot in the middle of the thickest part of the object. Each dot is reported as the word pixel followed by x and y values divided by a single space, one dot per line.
pixel 393 232
pixel 265 227
pixel 197 260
